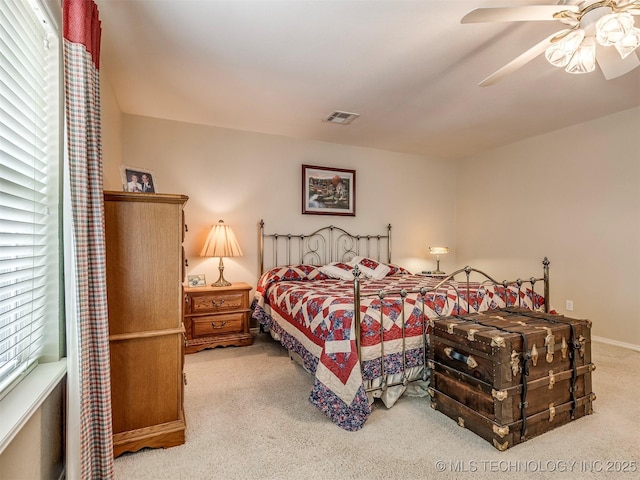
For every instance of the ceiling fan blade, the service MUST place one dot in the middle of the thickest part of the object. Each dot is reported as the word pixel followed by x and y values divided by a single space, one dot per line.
pixel 520 61
pixel 516 14
pixel 612 65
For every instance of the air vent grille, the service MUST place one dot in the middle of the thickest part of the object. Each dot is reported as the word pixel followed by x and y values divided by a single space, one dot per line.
pixel 341 118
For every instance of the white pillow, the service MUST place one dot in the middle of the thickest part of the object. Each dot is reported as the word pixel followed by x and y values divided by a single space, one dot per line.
pixel 340 270
pixel 370 268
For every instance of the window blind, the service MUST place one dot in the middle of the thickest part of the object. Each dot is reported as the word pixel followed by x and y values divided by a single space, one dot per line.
pixel 28 223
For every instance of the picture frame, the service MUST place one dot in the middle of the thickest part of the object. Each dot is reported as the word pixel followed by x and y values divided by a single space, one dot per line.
pixel 328 191
pixel 138 180
pixel 196 280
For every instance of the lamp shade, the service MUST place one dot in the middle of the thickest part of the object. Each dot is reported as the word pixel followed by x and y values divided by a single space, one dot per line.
pixel 221 242
pixel 438 250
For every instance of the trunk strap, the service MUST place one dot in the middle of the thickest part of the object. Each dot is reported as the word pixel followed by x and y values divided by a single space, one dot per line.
pixel 574 346
pixel 526 358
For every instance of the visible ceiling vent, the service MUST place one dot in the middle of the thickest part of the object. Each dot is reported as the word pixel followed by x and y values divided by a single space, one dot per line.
pixel 341 118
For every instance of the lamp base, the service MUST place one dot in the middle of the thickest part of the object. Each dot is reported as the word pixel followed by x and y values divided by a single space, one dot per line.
pixel 221 282
pixel 437 271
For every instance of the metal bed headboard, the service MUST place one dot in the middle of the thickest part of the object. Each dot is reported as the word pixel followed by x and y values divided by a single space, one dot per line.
pixel 325 245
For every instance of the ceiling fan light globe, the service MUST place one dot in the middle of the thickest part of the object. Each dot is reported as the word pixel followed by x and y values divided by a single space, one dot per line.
pixel 584 59
pixel 559 53
pixel 556 56
pixel 629 43
pixel 613 27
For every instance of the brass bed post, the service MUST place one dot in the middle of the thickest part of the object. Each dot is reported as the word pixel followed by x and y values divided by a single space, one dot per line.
pixel 287 244
pixel 383 384
pixel 519 283
pixel 331 247
pixel 389 243
pixel 261 245
pixel 403 298
pixel 425 343
pixel 547 303
pixel 356 309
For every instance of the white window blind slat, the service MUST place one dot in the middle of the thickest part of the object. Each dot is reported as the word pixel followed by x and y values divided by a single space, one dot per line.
pixel 15 303
pixel 18 280
pixel 17 240
pixel 23 254
pixel 21 66
pixel 26 151
pixel 11 204
pixel 17 68
pixel 25 347
pixel 23 227
pixel 26 157
pixel 13 214
pixel 12 334
pixel 17 334
pixel 14 196
pixel 37 181
pixel 23 19
pixel 14 206
pixel 18 123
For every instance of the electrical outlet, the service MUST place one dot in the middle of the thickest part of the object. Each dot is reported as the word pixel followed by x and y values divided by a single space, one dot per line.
pixel 569 305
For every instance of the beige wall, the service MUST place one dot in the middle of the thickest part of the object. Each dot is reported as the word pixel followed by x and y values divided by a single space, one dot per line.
pixel 37 451
pixel 243 177
pixel 111 132
pixel 572 195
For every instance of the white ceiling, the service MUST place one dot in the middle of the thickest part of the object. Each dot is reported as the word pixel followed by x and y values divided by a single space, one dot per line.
pixel 408 67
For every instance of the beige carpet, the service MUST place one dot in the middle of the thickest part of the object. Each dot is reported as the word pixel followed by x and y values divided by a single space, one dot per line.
pixel 248 417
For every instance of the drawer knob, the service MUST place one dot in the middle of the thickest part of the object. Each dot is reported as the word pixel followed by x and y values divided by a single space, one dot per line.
pixel 217 304
pixel 222 324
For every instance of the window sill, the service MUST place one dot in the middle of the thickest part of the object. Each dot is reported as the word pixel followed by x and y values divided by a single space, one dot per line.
pixel 25 399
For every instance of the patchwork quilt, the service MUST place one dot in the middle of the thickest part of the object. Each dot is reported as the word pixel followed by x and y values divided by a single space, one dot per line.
pixel 312 314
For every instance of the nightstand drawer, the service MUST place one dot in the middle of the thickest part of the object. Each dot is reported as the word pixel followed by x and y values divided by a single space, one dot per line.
pixel 217 324
pixel 218 302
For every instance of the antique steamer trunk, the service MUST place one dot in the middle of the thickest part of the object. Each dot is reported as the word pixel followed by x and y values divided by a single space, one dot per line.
pixel 511 374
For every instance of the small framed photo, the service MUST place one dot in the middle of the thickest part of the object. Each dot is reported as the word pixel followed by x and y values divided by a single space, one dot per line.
pixel 328 191
pixel 137 180
pixel 196 280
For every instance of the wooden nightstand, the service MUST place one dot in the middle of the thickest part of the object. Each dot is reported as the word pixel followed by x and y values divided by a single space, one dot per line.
pixel 216 317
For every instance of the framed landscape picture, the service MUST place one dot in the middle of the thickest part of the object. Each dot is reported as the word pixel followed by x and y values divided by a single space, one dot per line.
pixel 137 180
pixel 328 191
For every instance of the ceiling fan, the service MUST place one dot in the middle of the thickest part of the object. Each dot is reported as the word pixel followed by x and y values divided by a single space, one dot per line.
pixel 597 31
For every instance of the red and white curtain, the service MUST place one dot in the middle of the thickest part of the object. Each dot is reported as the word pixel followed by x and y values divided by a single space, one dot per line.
pixel 89 445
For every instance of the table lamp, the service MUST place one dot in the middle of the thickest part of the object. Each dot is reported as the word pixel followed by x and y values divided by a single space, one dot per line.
pixel 437 251
pixel 221 242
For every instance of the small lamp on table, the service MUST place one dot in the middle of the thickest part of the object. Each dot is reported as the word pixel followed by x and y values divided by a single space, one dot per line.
pixel 221 242
pixel 437 251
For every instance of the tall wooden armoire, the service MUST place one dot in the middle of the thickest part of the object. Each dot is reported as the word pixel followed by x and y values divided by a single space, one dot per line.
pixel 145 270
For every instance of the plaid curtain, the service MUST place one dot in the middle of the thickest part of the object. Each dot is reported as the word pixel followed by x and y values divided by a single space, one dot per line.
pixel 82 90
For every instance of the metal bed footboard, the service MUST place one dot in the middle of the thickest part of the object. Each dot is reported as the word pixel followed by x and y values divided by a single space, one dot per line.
pixel 421 294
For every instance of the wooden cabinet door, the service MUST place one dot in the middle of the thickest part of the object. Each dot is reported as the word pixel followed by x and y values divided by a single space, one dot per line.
pixel 144 235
